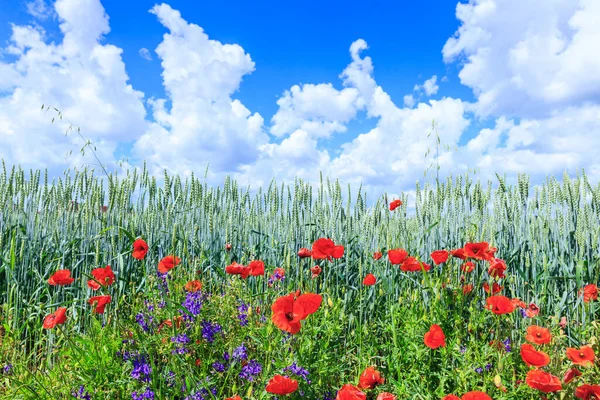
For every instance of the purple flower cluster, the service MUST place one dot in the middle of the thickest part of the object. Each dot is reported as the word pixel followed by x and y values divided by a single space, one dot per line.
pixel 146 322
pixel 250 370
pixel 141 370
pixel 202 394
pixel 180 342
pixel 240 353
pixel 243 313
pixel 193 303
pixel 299 371
pixel 7 369
pixel 507 346
pixel 81 393
pixel 145 395
pixel 209 330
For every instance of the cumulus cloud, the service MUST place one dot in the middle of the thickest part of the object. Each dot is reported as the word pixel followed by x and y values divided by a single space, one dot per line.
pixel 543 62
pixel 429 86
pixel 203 124
pixel 145 54
pixel 85 79
pixel 39 9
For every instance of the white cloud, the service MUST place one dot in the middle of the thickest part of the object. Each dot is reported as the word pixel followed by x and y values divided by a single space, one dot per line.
pixel 429 86
pixel 409 100
pixel 84 79
pixel 145 54
pixel 203 124
pixel 528 58
pixel 39 9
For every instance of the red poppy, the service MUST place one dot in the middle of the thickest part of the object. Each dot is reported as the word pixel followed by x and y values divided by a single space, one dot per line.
pixel 495 288
pixel 497 268
pixel 459 253
pixel 440 256
pixel 61 277
pixel 316 271
pixel 543 381
pixel 102 277
pixel 450 397
pixel 469 266
pixel 369 280
pixel 518 302
pixel 590 293
pixel 140 249
pixel 583 356
pixel 386 396
pixel 411 264
pixel 475 395
pixel 304 252
pixel 499 305
pixel 533 357
pixel 397 256
pixel 282 385
pixel 58 317
pixel 395 204
pixel 571 374
pixel 377 255
pixel 234 398
pixel 350 392
pixel 476 250
pixel 193 286
pixel 588 392
pixel 435 337
pixel 167 263
pixel 101 302
pixel 370 378
pixel 228 246
pixel 538 335
pixel 468 288
pixel 237 269
pixel 326 249
pixel 288 310
pixel 532 311
pixel 257 268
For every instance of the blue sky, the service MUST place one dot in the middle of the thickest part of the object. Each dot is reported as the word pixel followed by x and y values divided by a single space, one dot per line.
pixel 504 112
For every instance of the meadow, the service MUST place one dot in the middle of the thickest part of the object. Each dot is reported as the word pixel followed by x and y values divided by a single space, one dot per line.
pixel 121 288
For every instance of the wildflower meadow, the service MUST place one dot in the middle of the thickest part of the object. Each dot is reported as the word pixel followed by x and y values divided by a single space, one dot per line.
pixel 121 288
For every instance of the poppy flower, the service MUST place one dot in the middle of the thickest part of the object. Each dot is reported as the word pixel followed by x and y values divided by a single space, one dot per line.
pixel 533 357
pixel 440 256
pixel 102 277
pixel 288 310
pixel 563 322
pixel 61 277
pixel 193 286
pixel 395 204
pixel 583 356
pixel 369 280
pixel 140 249
pixel 459 253
pixel 58 317
pixel 101 302
pixel 475 395
pixel 411 264
pixel 468 288
pixel 168 263
pixel 304 252
pixel 316 271
pixel 281 385
pixel 538 335
pixel 518 303
pixel 350 392
pixel 499 305
pixel 469 266
pixel 257 268
pixel 543 381
pixel 386 396
pixel 435 337
pixel 326 249
pixel 590 293
pixel 532 310
pixel 397 256
pixel 450 397
pixel 495 288
pixel 476 250
pixel 237 269
pixel 228 246
pixel 588 392
pixel 234 398
pixel 571 374
pixel 370 378
pixel 377 255
pixel 497 268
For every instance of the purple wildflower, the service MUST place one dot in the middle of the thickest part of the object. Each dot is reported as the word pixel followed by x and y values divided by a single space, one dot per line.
pixel 141 370
pixel 299 371
pixel 209 330
pixel 251 370
pixel 146 395
pixel 81 393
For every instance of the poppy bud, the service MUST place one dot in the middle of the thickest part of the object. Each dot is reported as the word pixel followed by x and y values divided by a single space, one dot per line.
pixel 228 247
pixel 330 302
